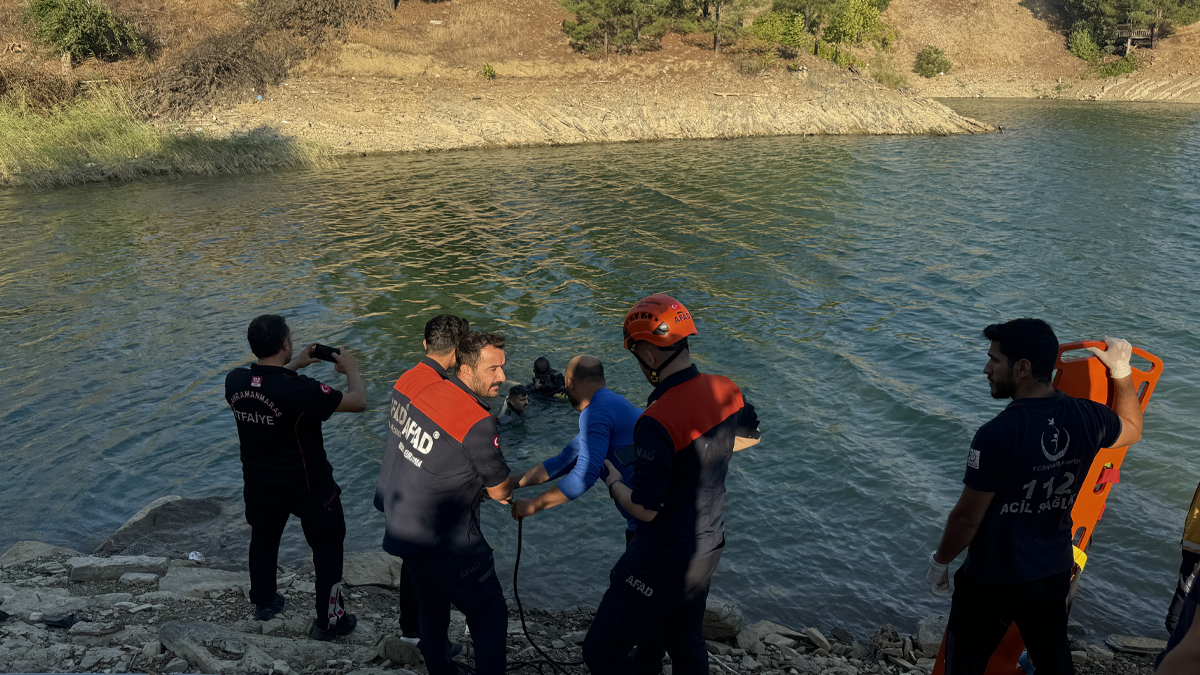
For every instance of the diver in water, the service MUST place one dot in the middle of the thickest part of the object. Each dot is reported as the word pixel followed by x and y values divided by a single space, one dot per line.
pixel 514 406
pixel 546 380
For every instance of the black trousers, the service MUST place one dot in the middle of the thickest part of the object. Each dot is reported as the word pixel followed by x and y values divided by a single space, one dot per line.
pixel 324 529
pixel 410 609
pixel 980 615
pixel 470 584
pixel 652 596
pixel 1189 570
pixel 1188 607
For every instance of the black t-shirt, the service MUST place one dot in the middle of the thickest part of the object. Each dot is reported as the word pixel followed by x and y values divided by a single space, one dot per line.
pixel 279 414
pixel 447 450
pixel 1034 456
pixel 683 443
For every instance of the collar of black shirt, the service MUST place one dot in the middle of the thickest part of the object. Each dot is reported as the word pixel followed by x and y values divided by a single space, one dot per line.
pixel 259 368
pixel 1035 401
pixel 672 380
pixel 463 385
pixel 437 367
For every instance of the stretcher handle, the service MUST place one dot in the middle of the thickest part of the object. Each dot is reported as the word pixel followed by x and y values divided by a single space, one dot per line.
pixel 1150 377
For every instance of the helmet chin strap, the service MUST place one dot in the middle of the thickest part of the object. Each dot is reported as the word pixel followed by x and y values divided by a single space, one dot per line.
pixel 654 372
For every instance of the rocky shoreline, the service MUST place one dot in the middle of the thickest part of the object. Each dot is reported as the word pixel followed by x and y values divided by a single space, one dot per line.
pixel 116 612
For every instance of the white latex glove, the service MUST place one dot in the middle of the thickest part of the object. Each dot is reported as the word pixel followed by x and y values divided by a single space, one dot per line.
pixel 938 577
pixel 1115 357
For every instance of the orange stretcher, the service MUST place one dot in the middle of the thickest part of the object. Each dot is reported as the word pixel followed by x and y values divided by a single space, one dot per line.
pixel 1082 377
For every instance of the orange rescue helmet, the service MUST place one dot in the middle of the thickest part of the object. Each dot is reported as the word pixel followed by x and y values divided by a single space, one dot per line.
pixel 660 320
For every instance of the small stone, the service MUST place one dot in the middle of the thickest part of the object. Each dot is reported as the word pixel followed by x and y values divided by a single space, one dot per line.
pixel 715 647
pixel 722 619
pixel 177 665
pixel 304 586
pixel 1098 653
pixel 749 663
pixel 91 568
pixel 140 608
pixel 838 649
pixel 35 617
pixel 1135 645
pixel 779 641
pixel 398 651
pixel 576 637
pixel 1079 656
pixel 927 664
pixel 94 628
pixel 817 639
pixel 152 649
pixel 281 666
pixel 558 644
pixel 737 651
pixel 271 626
pixel 139 578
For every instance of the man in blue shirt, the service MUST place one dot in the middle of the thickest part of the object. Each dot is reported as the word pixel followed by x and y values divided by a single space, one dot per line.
pixel 605 426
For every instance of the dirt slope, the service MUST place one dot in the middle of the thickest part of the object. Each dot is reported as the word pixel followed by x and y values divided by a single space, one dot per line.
pixel 1010 48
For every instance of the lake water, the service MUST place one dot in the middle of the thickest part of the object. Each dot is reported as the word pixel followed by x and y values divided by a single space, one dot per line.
pixel 842 282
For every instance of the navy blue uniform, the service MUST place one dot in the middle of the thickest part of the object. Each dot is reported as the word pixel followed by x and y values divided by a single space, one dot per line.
pixel 446 451
pixel 1034 457
pixel 279 414
pixel 683 443
pixel 411 383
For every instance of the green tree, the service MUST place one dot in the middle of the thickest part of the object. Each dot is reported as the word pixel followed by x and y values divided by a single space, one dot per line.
pixel 1103 16
pixel 622 24
pixel 82 28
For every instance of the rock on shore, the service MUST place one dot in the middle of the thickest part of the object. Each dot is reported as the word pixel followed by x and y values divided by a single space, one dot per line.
pixel 65 612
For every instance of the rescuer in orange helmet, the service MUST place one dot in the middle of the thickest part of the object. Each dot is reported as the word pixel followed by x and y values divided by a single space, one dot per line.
pixel 681 448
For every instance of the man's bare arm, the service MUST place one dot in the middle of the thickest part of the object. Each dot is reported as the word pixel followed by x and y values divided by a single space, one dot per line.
pixel 963 523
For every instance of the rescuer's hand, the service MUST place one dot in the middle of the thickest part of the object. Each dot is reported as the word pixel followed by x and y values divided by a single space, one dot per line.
pixel 345 362
pixel 304 357
pixel 938 577
pixel 522 508
pixel 611 474
pixel 1115 357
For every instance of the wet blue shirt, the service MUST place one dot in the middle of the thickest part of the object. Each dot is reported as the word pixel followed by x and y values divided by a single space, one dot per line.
pixel 605 426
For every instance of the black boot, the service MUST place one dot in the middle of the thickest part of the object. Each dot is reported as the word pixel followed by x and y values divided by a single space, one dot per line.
pixel 268 611
pixel 344 626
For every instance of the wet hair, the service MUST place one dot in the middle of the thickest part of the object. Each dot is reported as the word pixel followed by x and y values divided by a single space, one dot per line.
pixel 589 373
pixel 472 344
pixel 443 332
pixel 267 334
pixel 1030 339
pixel 541 366
pixel 517 390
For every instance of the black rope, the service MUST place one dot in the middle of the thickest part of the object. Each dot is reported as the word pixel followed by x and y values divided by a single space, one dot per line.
pixel 557 666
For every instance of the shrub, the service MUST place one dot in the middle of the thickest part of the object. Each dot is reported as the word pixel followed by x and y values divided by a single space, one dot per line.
pixel 1122 66
pixel 1081 44
pixel 931 61
pixel 488 71
pixel 82 28
pixel 885 72
pixel 783 28
pixel 835 53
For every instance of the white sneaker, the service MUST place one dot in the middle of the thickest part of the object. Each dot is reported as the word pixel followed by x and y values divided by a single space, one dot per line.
pixel 410 640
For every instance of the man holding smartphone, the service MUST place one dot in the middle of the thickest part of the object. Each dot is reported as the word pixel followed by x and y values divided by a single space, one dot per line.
pixel 279 414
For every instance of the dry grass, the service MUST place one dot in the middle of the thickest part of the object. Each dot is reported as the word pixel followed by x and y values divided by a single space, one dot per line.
pixel 99 138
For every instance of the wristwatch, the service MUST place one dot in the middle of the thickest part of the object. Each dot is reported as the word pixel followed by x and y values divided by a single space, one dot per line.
pixel 610 487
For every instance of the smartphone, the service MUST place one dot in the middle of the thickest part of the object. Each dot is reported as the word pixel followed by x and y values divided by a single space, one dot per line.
pixel 325 353
pixel 626 455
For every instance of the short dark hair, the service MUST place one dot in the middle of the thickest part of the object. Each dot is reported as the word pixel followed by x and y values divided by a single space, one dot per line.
pixel 1031 339
pixel 267 334
pixel 517 390
pixel 541 366
pixel 589 373
pixel 443 332
pixel 472 344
